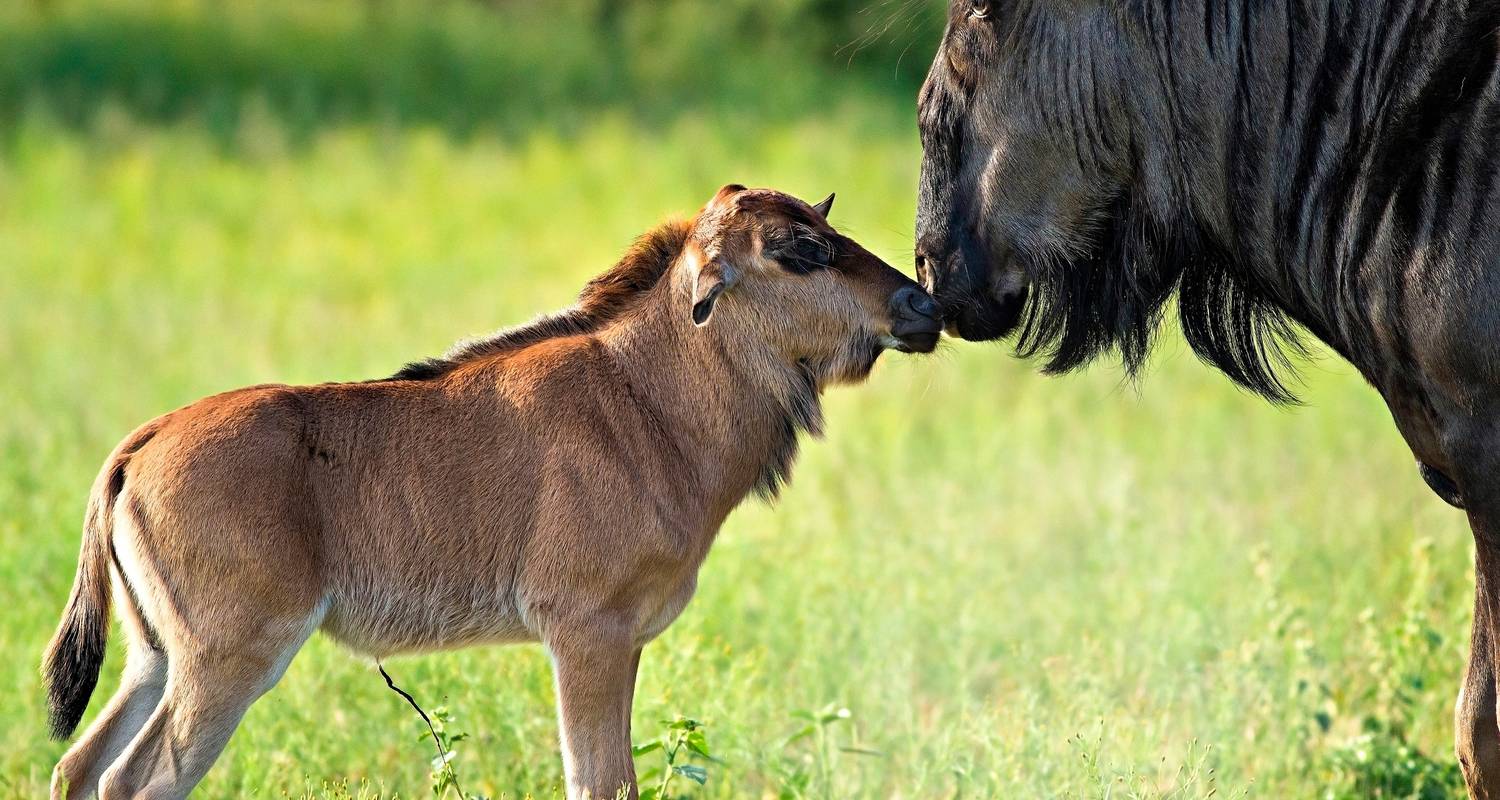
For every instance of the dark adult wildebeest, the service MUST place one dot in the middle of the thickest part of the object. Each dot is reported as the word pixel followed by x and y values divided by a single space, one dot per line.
pixel 1274 164
pixel 560 482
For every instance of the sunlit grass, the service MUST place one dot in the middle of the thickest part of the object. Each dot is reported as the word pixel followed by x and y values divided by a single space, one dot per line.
pixel 1017 585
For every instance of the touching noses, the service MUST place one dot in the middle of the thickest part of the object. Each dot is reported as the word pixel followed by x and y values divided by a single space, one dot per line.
pixel 911 303
pixel 915 321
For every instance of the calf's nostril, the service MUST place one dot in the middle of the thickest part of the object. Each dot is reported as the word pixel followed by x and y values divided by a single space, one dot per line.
pixel 923 304
pixel 911 304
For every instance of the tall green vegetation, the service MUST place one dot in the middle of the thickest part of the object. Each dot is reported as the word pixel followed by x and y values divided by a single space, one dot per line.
pixel 461 66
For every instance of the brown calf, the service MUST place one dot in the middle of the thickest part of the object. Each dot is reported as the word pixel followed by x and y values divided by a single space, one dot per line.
pixel 560 482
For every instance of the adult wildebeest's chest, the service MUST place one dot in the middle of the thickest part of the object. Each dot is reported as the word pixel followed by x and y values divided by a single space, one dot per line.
pixel 1270 164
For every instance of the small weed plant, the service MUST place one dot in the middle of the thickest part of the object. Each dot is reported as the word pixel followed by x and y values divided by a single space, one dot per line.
pixel 681 742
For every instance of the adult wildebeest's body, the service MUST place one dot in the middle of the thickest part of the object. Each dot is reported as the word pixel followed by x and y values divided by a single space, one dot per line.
pixel 560 482
pixel 1273 163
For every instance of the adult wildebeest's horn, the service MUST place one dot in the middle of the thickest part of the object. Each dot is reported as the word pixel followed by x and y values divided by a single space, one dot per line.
pixel 824 207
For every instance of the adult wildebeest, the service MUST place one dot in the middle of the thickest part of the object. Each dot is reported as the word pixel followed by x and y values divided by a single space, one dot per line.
pixel 1328 164
pixel 560 482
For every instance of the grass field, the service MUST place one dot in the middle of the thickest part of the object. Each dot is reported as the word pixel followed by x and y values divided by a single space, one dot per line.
pixel 1017 586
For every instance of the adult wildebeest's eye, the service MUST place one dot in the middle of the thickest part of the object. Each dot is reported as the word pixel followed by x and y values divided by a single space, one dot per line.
pixel 979 9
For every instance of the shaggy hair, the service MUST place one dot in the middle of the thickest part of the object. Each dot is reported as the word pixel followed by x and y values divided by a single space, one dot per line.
pixel 603 299
pixel 1114 297
pixel 1270 164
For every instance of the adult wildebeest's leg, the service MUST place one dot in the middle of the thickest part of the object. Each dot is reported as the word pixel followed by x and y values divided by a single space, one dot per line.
pixel 595 675
pixel 1471 440
pixel 1477 734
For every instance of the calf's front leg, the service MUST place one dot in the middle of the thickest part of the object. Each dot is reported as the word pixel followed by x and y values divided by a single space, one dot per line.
pixel 595 675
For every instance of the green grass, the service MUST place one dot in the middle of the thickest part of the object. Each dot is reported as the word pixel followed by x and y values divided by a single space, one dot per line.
pixel 1018 586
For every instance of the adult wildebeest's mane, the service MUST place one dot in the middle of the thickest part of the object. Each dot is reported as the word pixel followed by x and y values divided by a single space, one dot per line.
pixel 603 299
pixel 1371 117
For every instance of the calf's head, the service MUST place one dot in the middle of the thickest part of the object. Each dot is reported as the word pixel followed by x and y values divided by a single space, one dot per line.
pixel 766 266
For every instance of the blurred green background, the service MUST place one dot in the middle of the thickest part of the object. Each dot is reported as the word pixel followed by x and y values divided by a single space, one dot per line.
pixel 1016 586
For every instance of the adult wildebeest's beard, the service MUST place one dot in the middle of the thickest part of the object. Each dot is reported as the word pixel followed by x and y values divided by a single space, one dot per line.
pixel 1113 295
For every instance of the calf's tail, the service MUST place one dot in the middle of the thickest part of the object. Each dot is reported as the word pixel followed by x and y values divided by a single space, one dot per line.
pixel 71 663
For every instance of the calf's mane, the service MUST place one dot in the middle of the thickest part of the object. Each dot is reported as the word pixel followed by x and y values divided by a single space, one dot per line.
pixel 603 299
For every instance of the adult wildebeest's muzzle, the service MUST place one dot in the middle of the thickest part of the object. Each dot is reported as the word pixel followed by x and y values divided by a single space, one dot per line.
pixel 977 302
pixel 972 273
pixel 916 323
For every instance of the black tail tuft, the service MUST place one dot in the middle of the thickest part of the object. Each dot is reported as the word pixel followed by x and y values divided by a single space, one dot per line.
pixel 71 663
pixel 72 668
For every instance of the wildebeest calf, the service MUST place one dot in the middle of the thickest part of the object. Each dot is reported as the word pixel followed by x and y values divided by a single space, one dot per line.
pixel 560 482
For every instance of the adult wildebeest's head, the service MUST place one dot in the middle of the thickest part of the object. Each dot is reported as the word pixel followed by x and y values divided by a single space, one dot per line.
pixel 1065 155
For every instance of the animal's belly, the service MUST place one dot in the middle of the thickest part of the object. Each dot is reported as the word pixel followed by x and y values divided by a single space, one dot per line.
pixel 663 613
pixel 385 620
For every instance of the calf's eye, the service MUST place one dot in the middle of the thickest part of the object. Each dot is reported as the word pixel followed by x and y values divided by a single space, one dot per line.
pixel 979 9
pixel 805 254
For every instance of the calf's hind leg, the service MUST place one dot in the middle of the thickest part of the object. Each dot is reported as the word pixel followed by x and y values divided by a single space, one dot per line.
pixel 208 691
pixel 141 686
pixel 595 676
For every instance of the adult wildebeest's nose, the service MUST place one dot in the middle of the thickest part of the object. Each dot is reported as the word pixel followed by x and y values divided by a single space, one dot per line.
pixel 915 321
pixel 977 301
pixel 941 272
pixel 925 275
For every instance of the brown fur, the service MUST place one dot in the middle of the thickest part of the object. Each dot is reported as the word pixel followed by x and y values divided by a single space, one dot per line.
pixel 560 482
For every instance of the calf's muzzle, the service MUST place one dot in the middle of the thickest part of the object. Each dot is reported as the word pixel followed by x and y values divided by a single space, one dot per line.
pixel 916 323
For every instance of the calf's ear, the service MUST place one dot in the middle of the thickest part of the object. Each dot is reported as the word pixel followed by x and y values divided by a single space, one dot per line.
pixel 729 190
pixel 712 279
